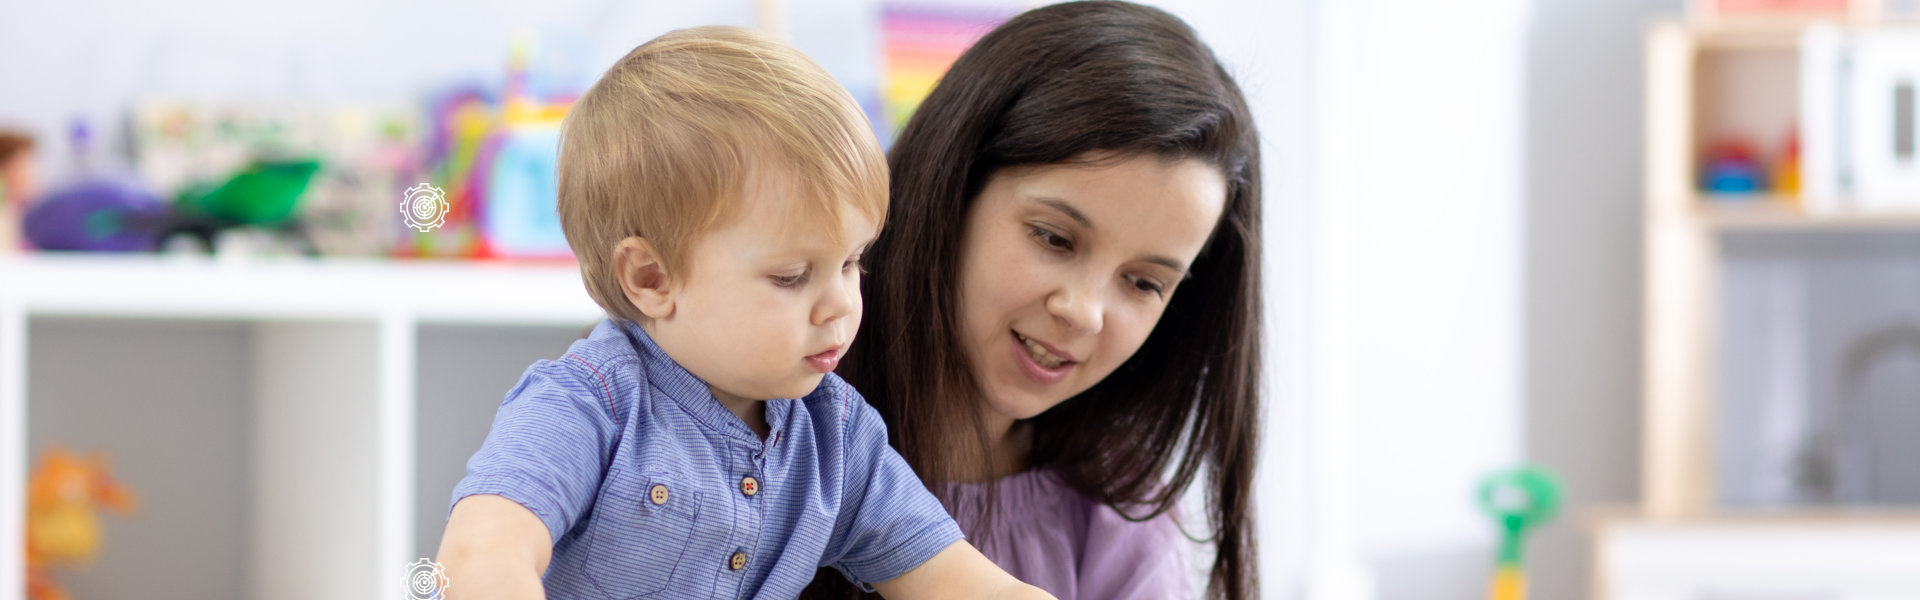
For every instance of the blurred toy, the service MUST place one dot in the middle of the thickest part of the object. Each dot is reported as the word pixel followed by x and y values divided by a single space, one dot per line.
pixel 100 215
pixel 265 196
pixel 1733 168
pixel 1786 171
pixel 18 184
pixel 519 217
pixel 919 41
pixel 1779 8
pixel 190 149
pixel 462 122
pixel 96 209
pixel 496 164
pixel 63 526
pixel 109 215
pixel 372 159
pixel 1519 500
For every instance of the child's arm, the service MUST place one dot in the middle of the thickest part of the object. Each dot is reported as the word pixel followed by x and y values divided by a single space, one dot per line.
pixel 959 571
pixel 494 548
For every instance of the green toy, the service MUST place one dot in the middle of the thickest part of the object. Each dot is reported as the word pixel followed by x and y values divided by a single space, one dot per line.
pixel 1520 501
pixel 265 195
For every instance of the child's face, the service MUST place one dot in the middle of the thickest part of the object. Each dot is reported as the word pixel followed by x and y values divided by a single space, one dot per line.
pixel 770 303
pixel 1067 269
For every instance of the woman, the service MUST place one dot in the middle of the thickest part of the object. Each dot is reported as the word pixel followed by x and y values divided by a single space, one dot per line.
pixel 1063 311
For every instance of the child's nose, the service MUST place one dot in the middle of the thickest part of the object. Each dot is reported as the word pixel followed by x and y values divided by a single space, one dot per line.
pixel 837 302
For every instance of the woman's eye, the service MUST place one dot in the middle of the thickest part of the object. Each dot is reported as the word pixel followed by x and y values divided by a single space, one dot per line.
pixel 789 281
pixel 1051 239
pixel 1145 285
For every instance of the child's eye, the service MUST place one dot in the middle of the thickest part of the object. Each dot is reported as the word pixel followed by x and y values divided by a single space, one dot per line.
pixel 1050 239
pixel 853 264
pixel 789 281
pixel 1145 285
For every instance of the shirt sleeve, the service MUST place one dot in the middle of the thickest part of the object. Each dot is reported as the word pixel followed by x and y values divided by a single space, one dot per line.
pixel 1127 559
pixel 889 523
pixel 548 448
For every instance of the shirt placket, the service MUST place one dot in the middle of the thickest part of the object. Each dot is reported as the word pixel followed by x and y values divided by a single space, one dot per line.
pixel 746 470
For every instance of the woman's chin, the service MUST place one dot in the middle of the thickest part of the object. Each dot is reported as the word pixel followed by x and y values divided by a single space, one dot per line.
pixel 1020 406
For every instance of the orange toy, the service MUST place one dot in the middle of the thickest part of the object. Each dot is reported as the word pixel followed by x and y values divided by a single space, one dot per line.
pixel 63 527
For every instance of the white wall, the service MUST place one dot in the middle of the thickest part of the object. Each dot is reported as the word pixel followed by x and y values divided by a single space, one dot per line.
pixel 1418 273
pixel 93 58
pixel 1584 141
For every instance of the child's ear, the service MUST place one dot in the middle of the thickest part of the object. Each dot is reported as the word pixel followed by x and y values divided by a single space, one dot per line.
pixel 644 277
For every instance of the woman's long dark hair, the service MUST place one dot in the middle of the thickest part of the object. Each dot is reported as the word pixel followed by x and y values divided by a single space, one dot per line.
pixel 1048 87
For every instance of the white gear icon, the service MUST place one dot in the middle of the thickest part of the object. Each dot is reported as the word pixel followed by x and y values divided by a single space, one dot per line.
pixel 426 580
pixel 424 208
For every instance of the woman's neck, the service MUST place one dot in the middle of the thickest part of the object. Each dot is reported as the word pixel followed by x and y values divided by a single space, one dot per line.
pixel 1011 441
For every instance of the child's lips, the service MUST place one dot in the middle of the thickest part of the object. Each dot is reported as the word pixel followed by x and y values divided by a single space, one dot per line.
pixel 824 362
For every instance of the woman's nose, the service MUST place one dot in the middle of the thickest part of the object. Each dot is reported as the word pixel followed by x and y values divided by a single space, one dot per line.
pixel 1079 305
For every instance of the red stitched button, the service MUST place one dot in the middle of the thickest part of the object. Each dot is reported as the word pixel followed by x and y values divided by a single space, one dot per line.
pixel 749 485
pixel 658 494
pixel 738 561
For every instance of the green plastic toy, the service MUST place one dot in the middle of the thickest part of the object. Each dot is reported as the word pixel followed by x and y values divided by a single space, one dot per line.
pixel 265 195
pixel 1520 501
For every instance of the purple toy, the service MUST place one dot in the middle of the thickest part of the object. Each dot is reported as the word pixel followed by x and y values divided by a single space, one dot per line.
pixel 98 215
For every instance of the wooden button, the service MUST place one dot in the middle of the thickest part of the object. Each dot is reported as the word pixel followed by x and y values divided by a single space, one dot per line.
pixel 738 561
pixel 658 494
pixel 749 485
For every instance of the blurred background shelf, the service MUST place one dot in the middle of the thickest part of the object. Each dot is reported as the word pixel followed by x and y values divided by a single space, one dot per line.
pixel 292 288
pixel 1761 325
pixel 1769 213
pixel 1835 555
pixel 293 427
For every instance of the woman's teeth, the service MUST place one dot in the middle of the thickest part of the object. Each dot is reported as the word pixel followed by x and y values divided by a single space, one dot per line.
pixel 1040 354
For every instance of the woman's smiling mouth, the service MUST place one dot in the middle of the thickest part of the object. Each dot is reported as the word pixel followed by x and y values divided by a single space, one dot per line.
pixel 1041 362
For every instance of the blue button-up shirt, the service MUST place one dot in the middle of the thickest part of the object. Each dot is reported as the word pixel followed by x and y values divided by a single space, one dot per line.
pixel 640 475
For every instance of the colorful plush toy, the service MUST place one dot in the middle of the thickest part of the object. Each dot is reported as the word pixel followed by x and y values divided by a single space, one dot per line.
pixel 63 525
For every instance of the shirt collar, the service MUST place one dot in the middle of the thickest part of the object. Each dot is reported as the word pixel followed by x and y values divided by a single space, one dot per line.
pixel 694 395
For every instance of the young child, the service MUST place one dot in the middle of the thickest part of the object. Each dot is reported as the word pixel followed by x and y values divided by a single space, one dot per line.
pixel 718 189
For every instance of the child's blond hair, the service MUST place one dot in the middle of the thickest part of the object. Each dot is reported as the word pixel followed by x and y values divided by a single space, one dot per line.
pixel 661 148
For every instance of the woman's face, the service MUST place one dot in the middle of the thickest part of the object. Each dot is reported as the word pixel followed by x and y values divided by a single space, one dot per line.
pixel 1067 268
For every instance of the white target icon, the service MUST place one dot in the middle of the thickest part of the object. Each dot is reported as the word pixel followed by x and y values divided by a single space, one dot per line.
pixel 426 580
pixel 424 208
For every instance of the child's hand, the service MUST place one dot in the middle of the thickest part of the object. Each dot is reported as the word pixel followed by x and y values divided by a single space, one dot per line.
pixel 494 548
pixel 957 572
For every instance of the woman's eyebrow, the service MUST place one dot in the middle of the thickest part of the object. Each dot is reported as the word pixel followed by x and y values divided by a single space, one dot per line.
pixel 1076 215
pixel 1069 210
pixel 1168 263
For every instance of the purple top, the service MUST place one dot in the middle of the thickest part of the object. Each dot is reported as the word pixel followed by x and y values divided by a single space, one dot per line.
pixel 1048 535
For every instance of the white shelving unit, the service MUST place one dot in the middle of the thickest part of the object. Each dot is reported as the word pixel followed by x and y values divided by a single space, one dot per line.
pixel 324 396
